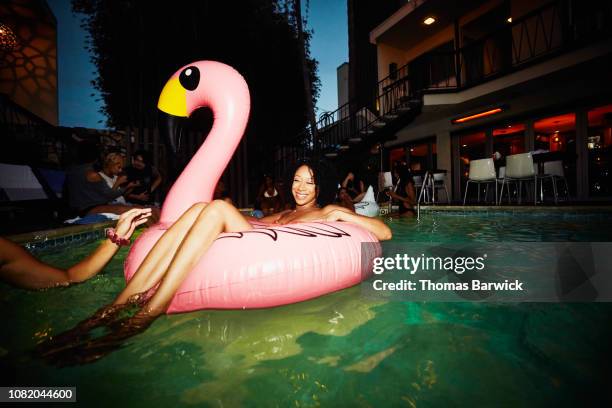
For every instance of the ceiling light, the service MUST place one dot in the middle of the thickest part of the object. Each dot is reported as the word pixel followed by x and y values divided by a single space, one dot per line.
pixel 429 21
pixel 509 19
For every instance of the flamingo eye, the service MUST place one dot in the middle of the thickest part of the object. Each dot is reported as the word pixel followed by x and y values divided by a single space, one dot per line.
pixel 190 78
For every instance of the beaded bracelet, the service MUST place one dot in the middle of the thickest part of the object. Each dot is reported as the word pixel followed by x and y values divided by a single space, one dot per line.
pixel 116 239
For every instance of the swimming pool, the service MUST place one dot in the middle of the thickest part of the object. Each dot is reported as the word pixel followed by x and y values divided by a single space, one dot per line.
pixel 343 349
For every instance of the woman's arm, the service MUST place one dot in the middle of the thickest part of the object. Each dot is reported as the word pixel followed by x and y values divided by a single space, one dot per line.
pixel 411 194
pixel 374 225
pixel 362 188
pixel 96 261
pixel 396 196
pixel 20 268
pixel 350 176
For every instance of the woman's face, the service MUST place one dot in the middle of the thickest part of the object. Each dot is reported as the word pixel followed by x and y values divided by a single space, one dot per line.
pixel 304 188
pixel 138 162
pixel 115 167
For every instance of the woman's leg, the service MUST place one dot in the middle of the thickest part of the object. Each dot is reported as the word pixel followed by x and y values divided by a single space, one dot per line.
pixel 172 258
pixel 216 218
pixel 153 267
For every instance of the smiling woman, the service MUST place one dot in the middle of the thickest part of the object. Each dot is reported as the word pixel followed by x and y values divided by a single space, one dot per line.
pixel 187 261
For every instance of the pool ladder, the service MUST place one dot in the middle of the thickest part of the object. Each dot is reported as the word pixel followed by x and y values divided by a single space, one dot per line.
pixel 426 179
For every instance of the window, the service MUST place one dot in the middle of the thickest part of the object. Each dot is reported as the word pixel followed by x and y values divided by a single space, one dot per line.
pixel 558 134
pixel 509 139
pixel 397 156
pixel 418 156
pixel 472 146
pixel 599 146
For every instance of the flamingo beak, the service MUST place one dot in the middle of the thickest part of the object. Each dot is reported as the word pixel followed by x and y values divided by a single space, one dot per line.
pixel 170 127
pixel 173 102
pixel 173 99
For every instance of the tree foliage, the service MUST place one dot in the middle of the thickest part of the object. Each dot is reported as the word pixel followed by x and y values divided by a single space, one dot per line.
pixel 137 45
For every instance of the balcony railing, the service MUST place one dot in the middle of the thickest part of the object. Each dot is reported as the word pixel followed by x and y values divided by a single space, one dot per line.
pixel 543 33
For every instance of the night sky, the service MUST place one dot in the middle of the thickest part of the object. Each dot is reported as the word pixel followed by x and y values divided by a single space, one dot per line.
pixel 329 45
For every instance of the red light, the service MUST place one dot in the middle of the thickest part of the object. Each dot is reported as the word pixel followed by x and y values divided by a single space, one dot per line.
pixel 477 115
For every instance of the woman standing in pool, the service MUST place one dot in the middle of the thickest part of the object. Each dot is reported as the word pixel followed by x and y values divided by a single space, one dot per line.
pixel 178 250
pixel 404 191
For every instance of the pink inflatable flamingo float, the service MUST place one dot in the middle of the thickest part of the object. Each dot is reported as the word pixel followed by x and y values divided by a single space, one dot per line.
pixel 267 266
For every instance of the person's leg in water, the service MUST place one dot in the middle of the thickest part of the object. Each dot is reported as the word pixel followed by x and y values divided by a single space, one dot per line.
pixel 170 260
pixel 134 294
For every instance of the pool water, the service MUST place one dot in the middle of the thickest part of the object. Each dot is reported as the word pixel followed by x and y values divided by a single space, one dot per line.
pixel 342 349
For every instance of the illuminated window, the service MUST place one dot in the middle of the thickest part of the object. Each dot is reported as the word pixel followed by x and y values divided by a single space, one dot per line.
pixel 599 146
pixel 509 139
pixel 558 134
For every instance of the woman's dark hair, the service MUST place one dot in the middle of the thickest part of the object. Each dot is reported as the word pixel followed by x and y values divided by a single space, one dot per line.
pixel 405 177
pixel 325 178
pixel 146 156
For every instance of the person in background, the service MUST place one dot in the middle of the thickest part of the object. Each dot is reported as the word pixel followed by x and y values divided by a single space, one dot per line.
pixel 146 175
pixel 404 191
pixel 89 193
pixel 19 268
pixel 354 186
pixel 112 167
pixel 270 198
pixel 372 167
pixel 221 193
pixel 344 199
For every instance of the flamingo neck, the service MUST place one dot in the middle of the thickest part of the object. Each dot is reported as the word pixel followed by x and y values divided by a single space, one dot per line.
pixel 198 180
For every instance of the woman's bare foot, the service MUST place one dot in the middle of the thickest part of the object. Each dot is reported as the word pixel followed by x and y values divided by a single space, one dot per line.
pixel 94 349
pixel 80 333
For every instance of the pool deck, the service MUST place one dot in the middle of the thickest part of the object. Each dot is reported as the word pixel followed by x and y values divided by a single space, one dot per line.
pixel 520 208
pixel 56 237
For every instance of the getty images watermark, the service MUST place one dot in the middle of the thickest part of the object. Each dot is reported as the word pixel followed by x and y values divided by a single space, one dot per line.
pixel 511 272
pixel 458 265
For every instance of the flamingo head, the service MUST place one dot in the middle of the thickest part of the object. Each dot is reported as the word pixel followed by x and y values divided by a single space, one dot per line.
pixel 202 84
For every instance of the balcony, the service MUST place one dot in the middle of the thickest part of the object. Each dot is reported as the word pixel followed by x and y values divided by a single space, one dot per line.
pixel 540 35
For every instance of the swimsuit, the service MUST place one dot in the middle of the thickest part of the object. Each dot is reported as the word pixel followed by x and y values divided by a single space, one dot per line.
pixel 266 195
